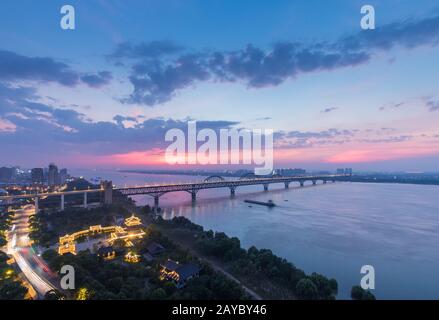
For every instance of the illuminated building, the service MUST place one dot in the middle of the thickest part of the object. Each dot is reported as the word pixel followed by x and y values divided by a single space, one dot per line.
pixel 83 294
pixel 177 273
pixel 107 253
pixel 133 221
pixel 69 247
pixel 131 257
pixel 67 242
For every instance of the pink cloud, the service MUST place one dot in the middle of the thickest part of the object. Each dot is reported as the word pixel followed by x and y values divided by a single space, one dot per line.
pixel 7 126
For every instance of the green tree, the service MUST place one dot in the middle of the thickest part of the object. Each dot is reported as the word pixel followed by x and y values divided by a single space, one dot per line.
pixel 12 290
pixel 358 293
pixel 3 241
pixel 169 287
pixel 158 294
pixel 306 290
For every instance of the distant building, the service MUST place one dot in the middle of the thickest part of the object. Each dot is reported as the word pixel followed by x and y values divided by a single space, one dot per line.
pixel 179 274
pixel 37 175
pixel 347 171
pixel 63 175
pixel 53 178
pixel 291 172
pixel 6 174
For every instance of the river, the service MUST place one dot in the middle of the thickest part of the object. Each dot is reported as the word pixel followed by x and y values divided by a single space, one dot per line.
pixel 333 229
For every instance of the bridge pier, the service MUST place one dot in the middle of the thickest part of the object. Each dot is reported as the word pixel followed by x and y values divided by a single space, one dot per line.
pixel 194 196
pixel 302 183
pixel 107 188
pixel 333 181
pixel 36 205
pixel 156 203
pixel 265 186
pixel 62 203
pixel 324 181
pixel 85 200
pixel 314 182
pixel 287 185
pixel 232 191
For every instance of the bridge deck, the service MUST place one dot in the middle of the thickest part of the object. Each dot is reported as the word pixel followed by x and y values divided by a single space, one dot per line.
pixel 190 187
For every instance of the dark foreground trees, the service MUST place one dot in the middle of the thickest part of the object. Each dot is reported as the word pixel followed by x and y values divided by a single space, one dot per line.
pixel 358 293
pixel 10 287
pixel 258 263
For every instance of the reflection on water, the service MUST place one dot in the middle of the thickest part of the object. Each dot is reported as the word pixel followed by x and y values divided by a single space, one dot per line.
pixel 333 229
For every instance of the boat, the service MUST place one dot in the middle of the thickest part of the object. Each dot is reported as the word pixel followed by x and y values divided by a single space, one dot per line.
pixel 270 203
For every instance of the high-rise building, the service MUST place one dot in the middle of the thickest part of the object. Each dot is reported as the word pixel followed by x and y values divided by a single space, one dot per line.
pixel 348 171
pixel 37 175
pixel 63 176
pixel 53 178
pixel 340 171
pixel 6 174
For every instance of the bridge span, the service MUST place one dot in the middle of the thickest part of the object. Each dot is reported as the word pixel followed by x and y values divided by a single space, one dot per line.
pixel 157 191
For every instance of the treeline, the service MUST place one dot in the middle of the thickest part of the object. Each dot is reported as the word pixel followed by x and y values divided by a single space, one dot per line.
pixel 258 265
pixel 97 279
pixel 10 285
pixel 5 223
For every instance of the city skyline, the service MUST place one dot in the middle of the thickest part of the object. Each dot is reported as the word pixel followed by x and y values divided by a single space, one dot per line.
pixel 104 95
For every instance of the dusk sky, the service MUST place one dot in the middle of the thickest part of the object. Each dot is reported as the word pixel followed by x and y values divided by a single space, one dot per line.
pixel 104 94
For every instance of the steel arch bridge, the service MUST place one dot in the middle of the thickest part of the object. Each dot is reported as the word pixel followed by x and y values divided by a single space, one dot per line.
pixel 157 191
pixel 214 178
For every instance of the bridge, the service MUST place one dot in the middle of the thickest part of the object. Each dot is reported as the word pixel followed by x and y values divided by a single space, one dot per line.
pixel 193 188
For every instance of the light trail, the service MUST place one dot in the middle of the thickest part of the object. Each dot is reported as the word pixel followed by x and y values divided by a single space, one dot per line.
pixel 18 242
pixel 40 285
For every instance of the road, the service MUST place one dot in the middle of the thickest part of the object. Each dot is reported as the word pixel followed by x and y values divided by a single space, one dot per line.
pixel 33 267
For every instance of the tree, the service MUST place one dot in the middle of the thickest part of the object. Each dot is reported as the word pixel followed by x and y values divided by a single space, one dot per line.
pixel 169 287
pixel 327 289
pixel 306 290
pixel 3 241
pixel 158 294
pixel 358 293
pixel 11 290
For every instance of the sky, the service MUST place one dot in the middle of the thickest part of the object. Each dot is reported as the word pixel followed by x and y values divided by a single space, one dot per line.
pixel 104 94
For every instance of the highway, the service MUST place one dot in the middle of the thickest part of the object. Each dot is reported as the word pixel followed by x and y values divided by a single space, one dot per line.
pixel 32 266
